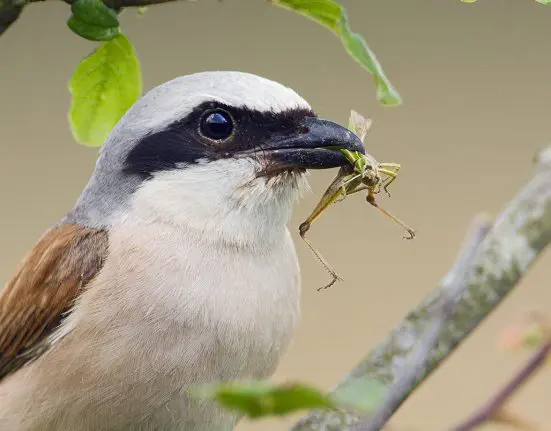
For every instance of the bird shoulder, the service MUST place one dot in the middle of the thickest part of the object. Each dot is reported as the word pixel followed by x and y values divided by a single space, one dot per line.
pixel 42 291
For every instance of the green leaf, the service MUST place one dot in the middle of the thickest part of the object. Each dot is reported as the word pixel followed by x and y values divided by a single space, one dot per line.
pixel 104 86
pixel 93 20
pixel 258 399
pixel 333 16
pixel 362 393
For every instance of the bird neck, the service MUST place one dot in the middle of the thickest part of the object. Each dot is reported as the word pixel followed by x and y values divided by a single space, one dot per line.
pixel 223 201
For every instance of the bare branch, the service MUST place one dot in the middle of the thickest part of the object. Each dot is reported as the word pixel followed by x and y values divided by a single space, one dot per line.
pixel 519 234
pixel 495 405
pixel 455 282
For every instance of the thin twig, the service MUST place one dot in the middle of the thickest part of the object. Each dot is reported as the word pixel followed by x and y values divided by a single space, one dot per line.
pixel 518 236
pixel 10 10
pixel 496 403
pixel 118 4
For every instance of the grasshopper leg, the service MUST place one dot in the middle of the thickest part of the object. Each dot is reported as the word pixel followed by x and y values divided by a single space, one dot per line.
pixel 334 276
pixel 410 232
pixel 395 166
pixel 391 176
pixel 344 190
pixel 391 171
pixel 371 199
pixel 359 189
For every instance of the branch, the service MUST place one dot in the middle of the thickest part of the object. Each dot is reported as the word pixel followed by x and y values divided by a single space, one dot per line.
pixel 495 405
pixel 519 234
pixel 119 4
pixel 10 10
pixel 453 285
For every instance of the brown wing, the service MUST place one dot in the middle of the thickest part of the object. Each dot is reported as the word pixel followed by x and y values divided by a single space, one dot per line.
pixel 36 299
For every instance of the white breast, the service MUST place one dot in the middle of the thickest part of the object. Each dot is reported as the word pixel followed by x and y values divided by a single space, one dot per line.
pixel 202 311
pixel 172 308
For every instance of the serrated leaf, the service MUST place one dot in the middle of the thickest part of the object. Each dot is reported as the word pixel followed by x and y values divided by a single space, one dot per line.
pixel 93 20
pixel 362 393
pixel 333 16
pixel 104 86
pixel 259 399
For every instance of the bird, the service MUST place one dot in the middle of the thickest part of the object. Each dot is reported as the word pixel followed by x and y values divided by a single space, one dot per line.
pixel 175 268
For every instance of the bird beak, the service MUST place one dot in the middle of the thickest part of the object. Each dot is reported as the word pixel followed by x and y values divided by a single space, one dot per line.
pixel 316 146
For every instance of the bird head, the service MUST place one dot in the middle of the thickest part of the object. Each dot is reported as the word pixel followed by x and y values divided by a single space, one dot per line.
pixel 222 152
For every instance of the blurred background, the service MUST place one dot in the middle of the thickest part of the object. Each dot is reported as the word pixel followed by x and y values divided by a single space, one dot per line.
pixel 475 82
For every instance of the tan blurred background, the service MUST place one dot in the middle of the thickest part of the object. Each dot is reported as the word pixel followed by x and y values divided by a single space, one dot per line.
pixel 475 80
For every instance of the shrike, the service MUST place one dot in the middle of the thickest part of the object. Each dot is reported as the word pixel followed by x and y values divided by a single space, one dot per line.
pixel 175 267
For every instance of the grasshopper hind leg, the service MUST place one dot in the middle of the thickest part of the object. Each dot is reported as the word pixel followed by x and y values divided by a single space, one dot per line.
pixel 410 232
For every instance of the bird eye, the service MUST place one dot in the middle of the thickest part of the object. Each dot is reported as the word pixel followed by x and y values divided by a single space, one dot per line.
pixel 217 125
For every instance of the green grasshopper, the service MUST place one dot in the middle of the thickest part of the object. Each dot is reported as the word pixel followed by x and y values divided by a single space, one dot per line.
pixel 363 173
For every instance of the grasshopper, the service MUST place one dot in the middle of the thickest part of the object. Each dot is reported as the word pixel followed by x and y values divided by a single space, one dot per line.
pixel 363 173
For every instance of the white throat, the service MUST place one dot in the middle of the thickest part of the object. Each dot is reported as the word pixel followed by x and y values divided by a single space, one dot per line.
pixel 222 201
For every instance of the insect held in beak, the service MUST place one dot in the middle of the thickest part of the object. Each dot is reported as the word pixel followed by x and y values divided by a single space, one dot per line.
pixel 363 173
